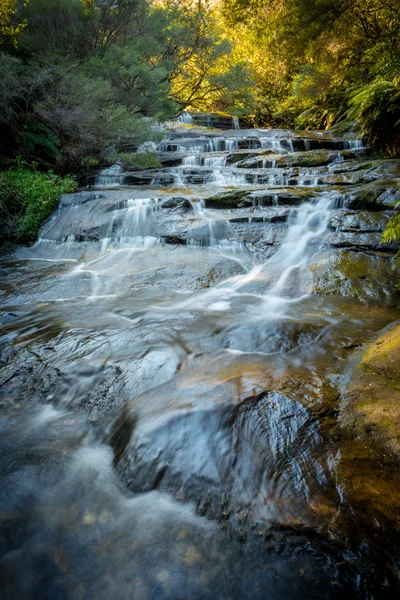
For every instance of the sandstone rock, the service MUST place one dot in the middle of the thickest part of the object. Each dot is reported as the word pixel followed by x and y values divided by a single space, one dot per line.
pixel 372 405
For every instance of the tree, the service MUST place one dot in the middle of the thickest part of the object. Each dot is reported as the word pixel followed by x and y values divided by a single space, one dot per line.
pixel 9 31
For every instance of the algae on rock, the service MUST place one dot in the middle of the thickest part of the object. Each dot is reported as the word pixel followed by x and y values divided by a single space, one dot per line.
pixel 371 409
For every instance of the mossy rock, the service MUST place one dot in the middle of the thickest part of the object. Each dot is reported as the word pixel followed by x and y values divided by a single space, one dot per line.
pixel 377 195
pixel 371 410
pixel 231 199
pixel 312 158
pixel 290 196
pixel 365 221
pixel 369 277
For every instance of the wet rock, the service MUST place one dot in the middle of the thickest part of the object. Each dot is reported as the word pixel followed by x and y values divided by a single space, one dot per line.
pixel 231 199
pixel 361 222
pixel 369 277
pixel 379 195
pixel 174 240
pixel 371 409
pixel 214 120
pixel 240 155
pixel 360 241
pixel 290 196
pixel 69 200
pixel 209 455
pixel 313 158
pixel 176 202
pixel 360 231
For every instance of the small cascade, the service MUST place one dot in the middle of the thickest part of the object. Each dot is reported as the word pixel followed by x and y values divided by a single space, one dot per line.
pixel 308 177
pixel 286 273
pixel 235 123
pixel 307 226
pixel 353 144
pixel 110 177
pixel 186 118
pixel 214 161
pixel 192 160
pixel 271 144
pixel 203 161
pixel 137 228
pixel 216 230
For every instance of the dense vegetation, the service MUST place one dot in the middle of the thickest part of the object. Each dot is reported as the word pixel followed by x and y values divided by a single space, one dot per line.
pixel 79 76
pixel 27 197
pixel 82 75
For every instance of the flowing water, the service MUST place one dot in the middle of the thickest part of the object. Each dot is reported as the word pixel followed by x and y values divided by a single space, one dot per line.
pixel 171 389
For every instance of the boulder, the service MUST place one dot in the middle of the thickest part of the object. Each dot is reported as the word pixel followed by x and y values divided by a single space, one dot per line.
pixel 366 276
pixel 371 410
pixel 377 195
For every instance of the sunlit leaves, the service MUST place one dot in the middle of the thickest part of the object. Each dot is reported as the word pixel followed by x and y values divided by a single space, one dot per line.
pixel 9 30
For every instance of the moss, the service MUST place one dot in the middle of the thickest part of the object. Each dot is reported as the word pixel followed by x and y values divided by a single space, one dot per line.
pixel 383 358
pixel 371 278
pixel 372 411
pixel 367 196
pixel 313 158
pixel 27 197
pixel 232 199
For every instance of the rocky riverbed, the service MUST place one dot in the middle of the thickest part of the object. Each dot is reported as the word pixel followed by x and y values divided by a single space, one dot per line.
pixel 185 354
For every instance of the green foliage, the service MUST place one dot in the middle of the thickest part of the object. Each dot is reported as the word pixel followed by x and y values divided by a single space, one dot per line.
pixel 27 197
pixel 60 113
pixel 321 62
pixel 88 73
pixel 141 160
pixel 138 80
pixel 376 107
pixel 392 231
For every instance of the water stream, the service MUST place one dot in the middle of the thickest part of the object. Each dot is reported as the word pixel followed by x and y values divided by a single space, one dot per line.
pixel 171 389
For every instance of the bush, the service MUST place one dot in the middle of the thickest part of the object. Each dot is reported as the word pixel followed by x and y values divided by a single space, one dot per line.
pixel 392 231
pixel 27 197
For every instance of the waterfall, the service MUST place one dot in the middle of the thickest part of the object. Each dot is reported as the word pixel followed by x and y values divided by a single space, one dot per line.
pixel 110 177
pixel 186 118
pixel 137 227
pixel 235 123
pixel 172 385
pixel 192 160
pixel 214 161
pixel 353 144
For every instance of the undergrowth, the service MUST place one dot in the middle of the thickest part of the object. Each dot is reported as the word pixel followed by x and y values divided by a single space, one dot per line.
pixel 27 197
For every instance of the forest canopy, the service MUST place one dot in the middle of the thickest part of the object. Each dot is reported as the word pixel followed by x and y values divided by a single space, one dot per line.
pixel 77 76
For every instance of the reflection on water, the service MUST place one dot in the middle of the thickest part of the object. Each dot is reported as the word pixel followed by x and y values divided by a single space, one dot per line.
pixel 169 422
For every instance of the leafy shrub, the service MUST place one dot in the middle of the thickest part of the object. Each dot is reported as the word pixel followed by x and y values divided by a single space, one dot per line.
pixel 392 231
pixel 27 197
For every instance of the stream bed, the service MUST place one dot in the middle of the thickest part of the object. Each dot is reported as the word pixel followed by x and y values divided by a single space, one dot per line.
pixel 174 353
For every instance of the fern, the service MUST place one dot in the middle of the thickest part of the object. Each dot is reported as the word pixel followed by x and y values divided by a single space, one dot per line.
pixel 392 231
pixel 376 107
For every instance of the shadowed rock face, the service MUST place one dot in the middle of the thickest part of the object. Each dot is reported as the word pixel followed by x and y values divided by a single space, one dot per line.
pixel 172 353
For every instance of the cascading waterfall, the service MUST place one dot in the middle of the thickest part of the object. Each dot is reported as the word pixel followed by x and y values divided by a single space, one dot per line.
pixel 180 326
pixel 186 118
pixel 287 271
pixel 111 177
pixel 215 230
